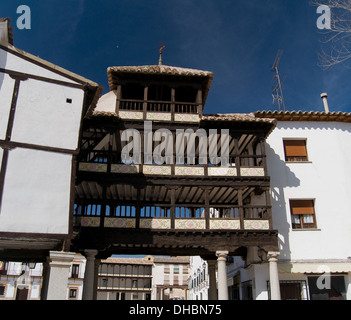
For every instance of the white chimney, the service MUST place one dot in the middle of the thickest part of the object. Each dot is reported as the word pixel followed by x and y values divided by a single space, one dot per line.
pixel 4 31
pixel 324 97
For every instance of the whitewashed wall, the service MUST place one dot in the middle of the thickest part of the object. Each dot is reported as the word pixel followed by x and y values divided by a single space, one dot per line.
pixel 6 91
pixel 37 184
pixel 44 117
pixel 12 62
pixel 325 178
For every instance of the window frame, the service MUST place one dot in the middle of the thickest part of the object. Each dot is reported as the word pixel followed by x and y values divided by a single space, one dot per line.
pixel 303 225
pixel 176 269
pixel 4 286
pixel 73 289
pixel 296 158
pixel 75 271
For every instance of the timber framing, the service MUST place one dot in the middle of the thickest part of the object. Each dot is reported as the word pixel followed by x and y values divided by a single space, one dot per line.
pixel 35 246
pixel 172 208
pixel 176 242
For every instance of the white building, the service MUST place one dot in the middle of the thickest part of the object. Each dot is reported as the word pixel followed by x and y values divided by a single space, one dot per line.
pixel 42 106
pixel 198 279
pixel 24 281
pixel 170 278
pixel 308 157
pixel 122 278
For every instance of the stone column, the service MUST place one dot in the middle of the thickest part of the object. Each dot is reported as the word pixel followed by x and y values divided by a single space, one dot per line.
pixel 273 275
pixel 89 277
pixel 222 275
pixel 212 292
pixel 57 271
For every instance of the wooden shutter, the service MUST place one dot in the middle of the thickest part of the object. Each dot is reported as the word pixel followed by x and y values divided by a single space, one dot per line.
pixel 302 206
pixel 295 148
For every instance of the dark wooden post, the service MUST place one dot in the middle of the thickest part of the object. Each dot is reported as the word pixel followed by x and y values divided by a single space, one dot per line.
pixel 172 103
pixel 241 208
pixel 263 153
pixel 138 207
pixel 199 102
pixel 103 206
pixel 268 203
pixel 119 97
pixel 237 156
pixel 146 90
pixel 173 204
pixel 207 207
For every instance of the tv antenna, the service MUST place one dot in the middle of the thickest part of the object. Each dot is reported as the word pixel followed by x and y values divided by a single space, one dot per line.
pixel 277 92
pixel 162 48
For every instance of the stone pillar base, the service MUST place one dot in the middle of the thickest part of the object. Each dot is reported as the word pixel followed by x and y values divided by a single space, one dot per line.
pixel 274 275
pixel 56 276
pixel 222 275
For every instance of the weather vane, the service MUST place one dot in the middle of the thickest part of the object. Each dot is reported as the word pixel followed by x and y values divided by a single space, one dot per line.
pixel 162 48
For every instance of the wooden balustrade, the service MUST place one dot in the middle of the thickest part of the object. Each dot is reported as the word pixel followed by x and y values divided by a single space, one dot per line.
pixel 157 106
pixel 185 217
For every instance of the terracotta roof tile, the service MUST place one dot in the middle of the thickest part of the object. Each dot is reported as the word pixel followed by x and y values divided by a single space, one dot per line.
pixel 305 116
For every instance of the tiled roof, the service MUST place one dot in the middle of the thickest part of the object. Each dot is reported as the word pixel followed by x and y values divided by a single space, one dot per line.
pixel 151 70
pixel 175 260
pixel 304 116
pixel 133 261
pixel 243 117
pixel 161 69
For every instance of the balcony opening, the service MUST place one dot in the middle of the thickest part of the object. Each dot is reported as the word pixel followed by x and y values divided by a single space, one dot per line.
pixel 159 98
pixel 132 96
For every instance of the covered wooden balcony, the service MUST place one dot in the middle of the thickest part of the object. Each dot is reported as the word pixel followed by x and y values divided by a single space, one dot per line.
pixel 160 207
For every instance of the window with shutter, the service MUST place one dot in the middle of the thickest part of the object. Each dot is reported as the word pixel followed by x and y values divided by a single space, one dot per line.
pixel 295 150
pixel 302 214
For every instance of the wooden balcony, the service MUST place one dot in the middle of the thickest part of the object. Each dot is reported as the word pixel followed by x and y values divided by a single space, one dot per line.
pixel 158 110
pixel 191 217
pixel 239 166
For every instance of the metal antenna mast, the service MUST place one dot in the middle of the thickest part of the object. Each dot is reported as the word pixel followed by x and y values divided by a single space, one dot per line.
pixel 278 91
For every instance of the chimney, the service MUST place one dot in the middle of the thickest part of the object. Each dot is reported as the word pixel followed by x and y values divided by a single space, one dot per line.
pixel 6 36
pixel 324 97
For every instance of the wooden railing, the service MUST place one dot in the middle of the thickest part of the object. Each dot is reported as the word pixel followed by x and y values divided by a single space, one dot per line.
pixel 179 216
pixel 103 156
pixel 158 106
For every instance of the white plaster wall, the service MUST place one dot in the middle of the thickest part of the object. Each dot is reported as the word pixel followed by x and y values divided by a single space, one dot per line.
pixel 261 272
pixel 36 192
pixel 326 178
pixel 10 289
pixel 107 102
pixel 157 279
pixel 14 63
pixel 43 116
pixel 6 91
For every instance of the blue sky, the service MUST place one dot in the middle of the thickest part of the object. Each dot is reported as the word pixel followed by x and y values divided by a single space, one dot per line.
pixel 236 40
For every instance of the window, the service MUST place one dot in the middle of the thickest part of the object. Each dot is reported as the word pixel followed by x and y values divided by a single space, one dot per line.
pixel 335 290
pixel 104 282
pixel 290 290
pixel 302 214
pixel 75 271
pixel 4 265
pixel 176 268
pixel 295 150
pixel 135 284
pixel 2 290
pixel 246 288
pixel 73 293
